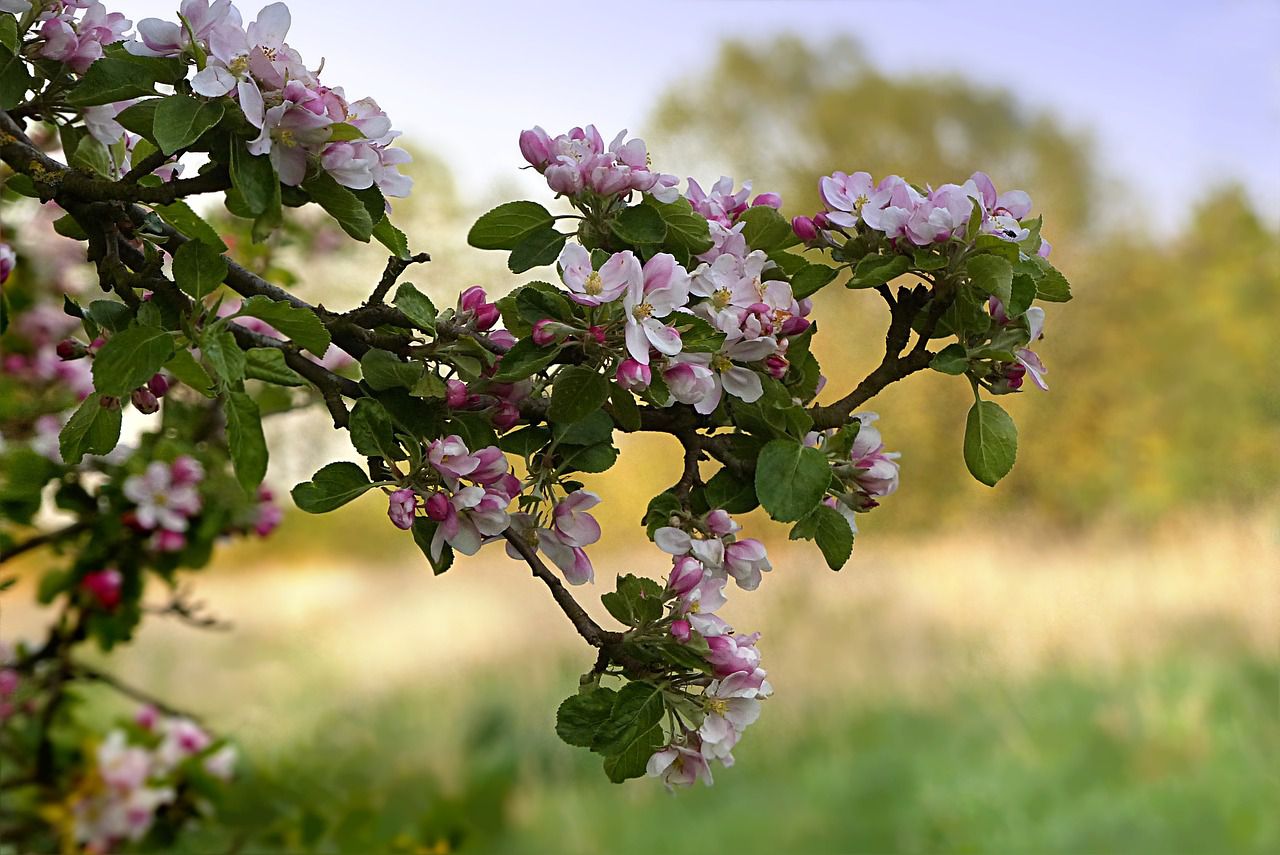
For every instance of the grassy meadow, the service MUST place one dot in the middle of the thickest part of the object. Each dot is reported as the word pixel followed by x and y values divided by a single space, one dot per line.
pixel 943 695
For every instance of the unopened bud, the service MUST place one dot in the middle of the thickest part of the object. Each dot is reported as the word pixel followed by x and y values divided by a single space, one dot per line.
pixel 437 506
pixel 69 349
pixel 158 384
pixel 144 401
pixel 109 402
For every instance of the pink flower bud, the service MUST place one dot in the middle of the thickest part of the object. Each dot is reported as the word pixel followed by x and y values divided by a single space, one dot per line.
pixel 104 587
pixel 505 416
pixel 168 541
pixel 502 339
pixel 401 508
pixel 776 364
pixel 544 332
pixel 820 220
pixel 437 505
pixel 147 717
pixel 680 630
pixel 8 258
pixel 159 385
pixel 109 402
pixel 8 682
pixel 535 145
pixel 794 325
pixel 69 349
pixel 96 344
pixel 720 523
pixel 597 333
pixel 770 200
pixel 804 228
pixel 686 573
pixel 486 316
pixel 144 401
pixel 472 299
pixel 633 376
pixel 186 470
pixel 455 394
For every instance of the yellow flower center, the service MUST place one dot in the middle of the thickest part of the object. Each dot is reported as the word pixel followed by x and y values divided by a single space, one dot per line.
pixel 717 706
pixel 593 285
pixel 285 137
pixel 642 311
pixel 721 363
pixel 721 298
pixel 239 66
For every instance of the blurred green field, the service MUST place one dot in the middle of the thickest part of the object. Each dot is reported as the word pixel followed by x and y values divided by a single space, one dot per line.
pixel 940 695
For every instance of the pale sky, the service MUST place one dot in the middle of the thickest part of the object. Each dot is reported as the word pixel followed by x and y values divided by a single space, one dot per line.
pixel 1178 94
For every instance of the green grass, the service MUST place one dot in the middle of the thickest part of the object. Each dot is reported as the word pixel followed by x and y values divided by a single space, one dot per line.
pixel 1176 756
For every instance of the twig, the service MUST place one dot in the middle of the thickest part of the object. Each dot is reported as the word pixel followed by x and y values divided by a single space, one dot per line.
pixel 396 266
pixel 42 540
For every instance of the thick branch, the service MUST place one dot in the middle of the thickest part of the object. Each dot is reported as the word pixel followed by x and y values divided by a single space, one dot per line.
pixel 591 631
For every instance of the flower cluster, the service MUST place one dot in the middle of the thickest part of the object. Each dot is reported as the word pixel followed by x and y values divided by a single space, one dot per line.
pixel 578 162
pixel 723 209
pixel 40 357
pixel 862 467
pixel 897 209
pixel 73 31
pixel 300 120
pixel 137 771
pixel 165 498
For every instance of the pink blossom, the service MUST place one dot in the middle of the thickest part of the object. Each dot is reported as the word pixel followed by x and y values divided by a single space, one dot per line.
pixel 745 560
pixel 633 376
pixel 451 458
pixel 680 764
pixel 589 287
pixel 804 228
pixel 845 196
pixel 8 260
pixel 890 206
pixel 571 522
pixel 943 215
pixel 104 586
pixel 164 499
pixel 662 289
pixel 686 573
pixel 168 541
pixel 722 205
pixel 402 508
pixel 166 38
pixel 876 469
pixel 1001 211
pixel 727 716
pixel 456 393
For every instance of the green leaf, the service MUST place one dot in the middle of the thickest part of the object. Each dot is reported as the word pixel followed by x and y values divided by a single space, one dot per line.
pixel 254 177
pixel 1052 286
pixel 15 79
pixel 990 442
pixel 686 228
pixel 625 409
pixel 639 224
pixel 185 367
pixel 524 360
pixel 873 270
pixel 111 315
pixel 767 229
pixel 923 259
pixel 424 531
pixel 67 226
pixel 372 432
pixel 830 530
pixel 391 237
pixel 382 369
pixel 595 428
pixel 659 511
pixel 811 279
pixel 92 429
pixel 791 479
pixel 198 268
pixel 1021 295
pixel 140 118
pixel 537 249
pixel 592 458
pixel 245 442
pixel 991 274
pixel 507 225
pixel 526 441
pixel 735 495
pixel 580 717
pixel 300 325
pixel 129 359
pixel 416 306
pixel 331 488
pixel 181 217
pixel 540 300
pixel 111 79
pixel 341 204
pixel 952 359
pixel 93 156
pixel 180 120
pixel 632 732
pixel 344 132
pixel 267 364
pixel 9 37
pixel 637 601
pixel 576 393
pixel 218 345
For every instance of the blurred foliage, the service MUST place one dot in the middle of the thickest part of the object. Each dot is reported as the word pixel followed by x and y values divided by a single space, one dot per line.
pixel 1163 397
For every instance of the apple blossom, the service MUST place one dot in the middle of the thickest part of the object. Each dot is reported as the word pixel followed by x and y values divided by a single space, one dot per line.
pixel 402 507
pixel 662 288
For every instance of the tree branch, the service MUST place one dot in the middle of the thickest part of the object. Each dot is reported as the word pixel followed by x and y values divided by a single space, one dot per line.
pixel 42 540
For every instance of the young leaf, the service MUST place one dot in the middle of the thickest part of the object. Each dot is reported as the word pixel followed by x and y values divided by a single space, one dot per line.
pixel 92 429
pixel 382 369
pixel 507 225
pixel 580 717
pixel 952 359
pixel 341 204
pixel 416 306
pixel 636 601
pixel 391 237
pixel 830 530
pixel 112 79
pixel 727 491
pixel 767 229
pixel 791 479
pixel 539 248
pixel 990 442
pixel 639 224
pixel 371 430
pixel 991 274
pixel 524 360
pixel 180 120
pixel 874 270
pixel 181 217
pixel 184 367
pixel 300 325
pixel 254 177
pixel 632 732
pixel 198 268
pixel 245 441
pixel 129 359
pixel 331 488
pixel 686 228
pixel 577 392
pixel 267 363
pixel 811 279
pixel 219 346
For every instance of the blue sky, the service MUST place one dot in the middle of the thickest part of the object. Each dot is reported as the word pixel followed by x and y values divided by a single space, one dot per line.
pixel 1178 94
